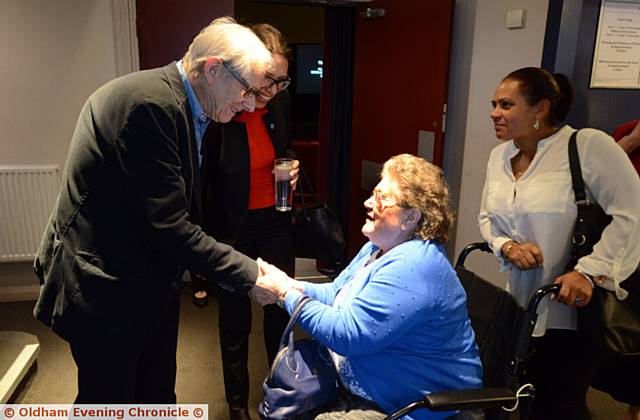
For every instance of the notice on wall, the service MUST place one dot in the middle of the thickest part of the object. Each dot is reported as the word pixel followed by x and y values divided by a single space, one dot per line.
pixel 616 59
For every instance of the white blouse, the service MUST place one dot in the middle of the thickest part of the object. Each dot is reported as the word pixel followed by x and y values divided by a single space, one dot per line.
pixel 540 208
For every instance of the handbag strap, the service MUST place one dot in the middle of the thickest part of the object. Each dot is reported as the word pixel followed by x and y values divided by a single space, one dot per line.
pixel 306 180
pixel 576 172
pixel 578 239
pixel 588 213
pixel 287 334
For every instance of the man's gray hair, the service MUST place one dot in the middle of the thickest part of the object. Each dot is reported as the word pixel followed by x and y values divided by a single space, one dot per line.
pixel 234 43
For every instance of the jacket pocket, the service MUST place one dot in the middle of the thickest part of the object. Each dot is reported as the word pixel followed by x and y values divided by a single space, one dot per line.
pixel 103 289
pixel 93 266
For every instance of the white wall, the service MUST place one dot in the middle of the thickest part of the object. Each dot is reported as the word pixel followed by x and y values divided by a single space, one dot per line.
pixel 54 54
pixel 483 52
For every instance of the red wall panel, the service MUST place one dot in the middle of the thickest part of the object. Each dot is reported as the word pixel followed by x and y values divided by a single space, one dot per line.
pixel 166 27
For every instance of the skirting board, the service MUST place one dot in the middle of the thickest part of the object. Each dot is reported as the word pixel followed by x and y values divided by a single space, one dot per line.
pixel 18 367
pixel 19 293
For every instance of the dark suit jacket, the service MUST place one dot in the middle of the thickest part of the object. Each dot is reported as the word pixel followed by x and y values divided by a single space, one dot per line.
pixel 123 230
pixel 227 168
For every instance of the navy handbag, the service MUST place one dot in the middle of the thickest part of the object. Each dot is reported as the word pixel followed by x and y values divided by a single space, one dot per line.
pixel 301 378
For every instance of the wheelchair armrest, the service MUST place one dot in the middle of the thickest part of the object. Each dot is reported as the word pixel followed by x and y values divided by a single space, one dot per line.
pixel 466 399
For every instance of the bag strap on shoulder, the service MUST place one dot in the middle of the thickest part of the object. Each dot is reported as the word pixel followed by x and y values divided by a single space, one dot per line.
pixel 576 172
pixel 591 219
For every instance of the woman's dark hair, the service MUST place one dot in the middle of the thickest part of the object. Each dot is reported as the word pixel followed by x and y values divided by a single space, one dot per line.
pixel 537 84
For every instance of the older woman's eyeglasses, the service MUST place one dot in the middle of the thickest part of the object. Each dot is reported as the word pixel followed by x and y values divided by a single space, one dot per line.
pixel 382 200
pixel 249 91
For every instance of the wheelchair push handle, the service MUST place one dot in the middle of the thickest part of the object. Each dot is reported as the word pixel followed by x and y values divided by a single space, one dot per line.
pixel 482 246
pixel 537 295
pixel 541 293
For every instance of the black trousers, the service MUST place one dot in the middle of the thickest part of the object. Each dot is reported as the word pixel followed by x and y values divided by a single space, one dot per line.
pixel 561 368
pixel 267 234
pixel 619 378
pixel 130 371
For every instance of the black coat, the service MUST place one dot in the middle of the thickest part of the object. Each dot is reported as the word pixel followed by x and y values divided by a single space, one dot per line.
pixel 227 167
pixel 123 229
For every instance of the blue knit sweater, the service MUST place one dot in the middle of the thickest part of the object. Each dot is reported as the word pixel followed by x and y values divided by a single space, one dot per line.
pixel 401 325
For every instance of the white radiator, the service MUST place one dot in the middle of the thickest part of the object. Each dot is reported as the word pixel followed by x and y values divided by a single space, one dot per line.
pixel 27 196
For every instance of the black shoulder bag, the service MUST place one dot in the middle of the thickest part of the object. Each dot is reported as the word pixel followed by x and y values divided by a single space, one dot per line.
pixel 611 324
pixel 317 230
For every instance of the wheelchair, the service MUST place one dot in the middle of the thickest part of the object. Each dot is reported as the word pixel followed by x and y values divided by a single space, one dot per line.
pixel 503 331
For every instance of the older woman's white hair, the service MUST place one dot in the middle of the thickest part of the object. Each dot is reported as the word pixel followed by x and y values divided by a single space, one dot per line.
pixel 232 42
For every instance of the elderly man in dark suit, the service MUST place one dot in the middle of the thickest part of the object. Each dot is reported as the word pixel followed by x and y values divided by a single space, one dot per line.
pixel 125 225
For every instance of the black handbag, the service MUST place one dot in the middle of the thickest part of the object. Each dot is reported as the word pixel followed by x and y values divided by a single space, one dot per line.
pixel 611 324
pixel 317 230
pixel 302 376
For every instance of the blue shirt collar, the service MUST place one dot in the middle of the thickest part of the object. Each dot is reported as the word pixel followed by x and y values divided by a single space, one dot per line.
pixel 199 115
pixel 200 119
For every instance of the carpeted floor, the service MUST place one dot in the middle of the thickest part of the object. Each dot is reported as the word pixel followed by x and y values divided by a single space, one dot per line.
pixel 199 378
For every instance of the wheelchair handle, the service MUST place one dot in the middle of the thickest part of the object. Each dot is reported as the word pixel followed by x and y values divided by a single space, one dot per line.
pixel 483 246
pixel 521 352
pixel 540 293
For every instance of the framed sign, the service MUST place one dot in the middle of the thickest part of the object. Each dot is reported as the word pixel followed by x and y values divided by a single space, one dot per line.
pixel 616 57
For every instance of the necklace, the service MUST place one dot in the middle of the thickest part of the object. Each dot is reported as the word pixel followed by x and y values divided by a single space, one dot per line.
pixel 516 166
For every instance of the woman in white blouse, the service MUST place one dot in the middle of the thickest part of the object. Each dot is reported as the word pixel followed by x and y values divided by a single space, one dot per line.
pixel 527 216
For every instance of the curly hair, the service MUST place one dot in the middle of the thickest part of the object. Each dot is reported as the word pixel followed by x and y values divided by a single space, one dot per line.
pixel 421 186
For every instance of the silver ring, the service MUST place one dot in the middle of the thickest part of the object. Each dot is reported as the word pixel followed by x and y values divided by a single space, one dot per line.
pixel 578 301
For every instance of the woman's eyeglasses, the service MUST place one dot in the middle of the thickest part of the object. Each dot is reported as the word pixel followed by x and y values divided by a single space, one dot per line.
pixel 280 83
pixel 382 200
pixel 249 91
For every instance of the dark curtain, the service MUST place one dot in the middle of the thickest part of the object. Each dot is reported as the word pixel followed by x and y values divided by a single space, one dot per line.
pixel 337 100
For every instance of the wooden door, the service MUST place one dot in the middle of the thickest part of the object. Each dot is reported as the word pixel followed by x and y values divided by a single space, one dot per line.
pixel 400 84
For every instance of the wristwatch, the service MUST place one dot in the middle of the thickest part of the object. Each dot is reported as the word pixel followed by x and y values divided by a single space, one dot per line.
pixel 509 247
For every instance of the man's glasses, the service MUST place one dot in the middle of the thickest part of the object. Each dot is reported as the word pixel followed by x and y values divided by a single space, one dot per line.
pixel 280 84
pixel 382 200
pixel 249 91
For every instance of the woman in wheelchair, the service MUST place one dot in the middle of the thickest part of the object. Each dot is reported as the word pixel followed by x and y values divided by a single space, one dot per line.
pixel 527 217
pixel 395 320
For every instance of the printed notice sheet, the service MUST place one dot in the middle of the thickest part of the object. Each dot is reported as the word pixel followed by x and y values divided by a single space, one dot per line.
pixel 616 60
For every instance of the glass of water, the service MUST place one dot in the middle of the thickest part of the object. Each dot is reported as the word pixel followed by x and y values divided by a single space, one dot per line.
pixel 281 169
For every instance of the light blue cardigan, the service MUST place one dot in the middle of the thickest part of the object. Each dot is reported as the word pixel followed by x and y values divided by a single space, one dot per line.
pixel 402 325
